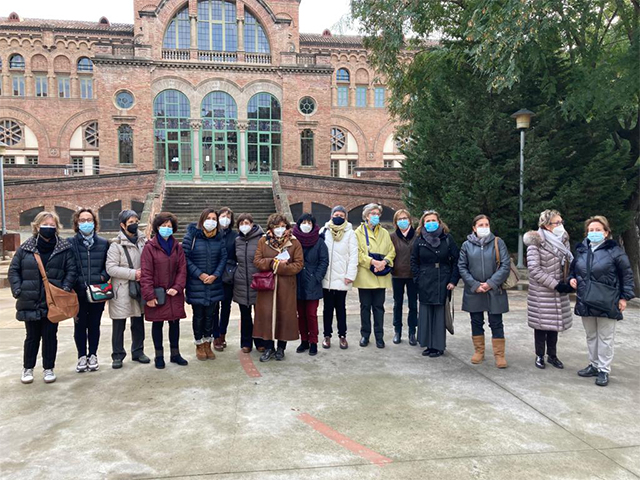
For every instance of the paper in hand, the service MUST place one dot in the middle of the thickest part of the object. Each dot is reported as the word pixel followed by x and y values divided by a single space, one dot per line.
pixel 283 256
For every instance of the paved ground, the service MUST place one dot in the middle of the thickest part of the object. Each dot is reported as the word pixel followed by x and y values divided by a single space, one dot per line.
pixel 354 414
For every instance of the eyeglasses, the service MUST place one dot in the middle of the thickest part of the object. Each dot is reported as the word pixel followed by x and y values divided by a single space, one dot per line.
pixel 557 223
pixel 90 220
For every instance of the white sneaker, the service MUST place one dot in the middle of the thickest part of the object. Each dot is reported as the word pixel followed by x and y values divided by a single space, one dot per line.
pixel 49 376
pixel 27 375
pixel 82 365
pixel 93 363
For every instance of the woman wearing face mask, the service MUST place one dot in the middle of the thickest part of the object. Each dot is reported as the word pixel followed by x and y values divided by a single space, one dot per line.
pixel 548 307
pixel 279 251
pixel 342 246
pixel 246 246
pixel 164 276
pixel 206 257
pixel 309 281
pixel 223 309
pixel 373 273
pixel 483 292
pixel 600 259
pixel 91 258
pixel 28 290
pixel 123 265
pixel 434 266
pixel 403 239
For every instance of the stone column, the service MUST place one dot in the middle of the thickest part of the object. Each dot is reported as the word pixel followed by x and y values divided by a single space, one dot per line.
pixel 29 87
pixel 240 28
pixel 242 143
pixel 75 87
pixel 6 84
pixel 52 85
pixel 194 36
pixel 196 126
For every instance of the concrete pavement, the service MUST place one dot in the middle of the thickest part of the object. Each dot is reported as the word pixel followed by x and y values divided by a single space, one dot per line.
pixel 362 413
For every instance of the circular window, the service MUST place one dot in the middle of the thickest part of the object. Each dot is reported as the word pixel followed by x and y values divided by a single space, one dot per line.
pixel 10 132
pixel 307 106
pixel 124 99
pixel 338 139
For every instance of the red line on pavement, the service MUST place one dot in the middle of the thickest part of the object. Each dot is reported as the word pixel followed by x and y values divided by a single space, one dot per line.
pixel 247 363
pixel 344 441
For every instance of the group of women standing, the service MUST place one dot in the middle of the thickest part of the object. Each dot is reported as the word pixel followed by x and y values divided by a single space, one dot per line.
pixel 277 277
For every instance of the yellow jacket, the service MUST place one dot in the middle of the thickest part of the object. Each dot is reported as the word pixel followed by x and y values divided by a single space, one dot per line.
pixel 379 242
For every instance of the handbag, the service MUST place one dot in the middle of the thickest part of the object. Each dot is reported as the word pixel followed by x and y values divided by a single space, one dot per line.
pixel 376 256
pixel 96 293
pixel 60 303
pixel 229 272
pixel 161 295
pixel 514 277
pixel 600 296
pixel 263 281
pixel 448 312
pixel 135 291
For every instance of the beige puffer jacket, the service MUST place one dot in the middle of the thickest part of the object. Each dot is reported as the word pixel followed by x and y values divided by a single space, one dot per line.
pixel 547 309
pixel 122 305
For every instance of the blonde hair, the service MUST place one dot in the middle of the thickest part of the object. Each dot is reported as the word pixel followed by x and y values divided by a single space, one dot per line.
pixel 41 217
pixel 546 216
pixel 445 227
pixel 600 219
pixel 400 212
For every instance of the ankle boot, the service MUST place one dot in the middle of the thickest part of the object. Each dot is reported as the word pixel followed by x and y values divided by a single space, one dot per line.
pixel 207 350
pixel 304 345
pixel 201 354
pixel 478 344
pixel 498 352
pixel 217 345
pixel 177 358
pixel 159 360
pixel 223 341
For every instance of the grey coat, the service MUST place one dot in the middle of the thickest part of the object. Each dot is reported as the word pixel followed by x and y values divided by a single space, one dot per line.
pixel 547 309
pixel 477 264
pixel 246 246
pixel 122 305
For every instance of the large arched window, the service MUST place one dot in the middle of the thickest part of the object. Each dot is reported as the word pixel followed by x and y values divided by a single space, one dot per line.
pixel 219 135
pixel 217 26
pixel 171 112
pixel 264 135
pixel 255 40
pixel 178 33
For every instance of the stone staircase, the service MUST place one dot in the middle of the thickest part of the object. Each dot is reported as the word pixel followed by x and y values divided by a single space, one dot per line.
pixel 188 201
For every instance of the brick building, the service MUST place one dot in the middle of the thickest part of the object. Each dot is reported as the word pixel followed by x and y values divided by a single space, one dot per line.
pixel 207 91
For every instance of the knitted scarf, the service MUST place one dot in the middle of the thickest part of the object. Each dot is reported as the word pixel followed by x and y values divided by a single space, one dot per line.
pixel 337 231
pixel 307 240
pixel 432 238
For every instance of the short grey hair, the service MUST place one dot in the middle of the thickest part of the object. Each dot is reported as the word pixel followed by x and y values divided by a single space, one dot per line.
pixel 368 208
pixel 546 216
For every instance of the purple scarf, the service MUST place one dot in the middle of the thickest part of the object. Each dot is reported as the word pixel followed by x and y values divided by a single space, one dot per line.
pixel 166 245
pixel 307 240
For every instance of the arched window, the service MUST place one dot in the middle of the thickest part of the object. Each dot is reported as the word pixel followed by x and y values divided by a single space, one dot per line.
pixel 85 65
pixel 296 210
pixel 255 40
pixel 338 139
pixel 16 62
pixel 171 112
pixel 29 216
pixel 306 148
pixel 264 135
pixel 108 215
pixel 91 135
pixel 344 153
pixel 217 26
pixel 178 33
pixel 137 207
pixel 321 212
pixel 10 132
pixel 343 75
pixel 66 216
pixel 219 134
pixel 125 144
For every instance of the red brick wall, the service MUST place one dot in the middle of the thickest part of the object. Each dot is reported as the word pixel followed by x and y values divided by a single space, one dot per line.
pixel 18 172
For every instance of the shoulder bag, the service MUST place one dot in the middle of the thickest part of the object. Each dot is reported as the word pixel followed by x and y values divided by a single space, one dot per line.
pixel 135 291
pixel 513 278
pixel 60 303
pixel 376 256
pixel 448 311
pixel 98 292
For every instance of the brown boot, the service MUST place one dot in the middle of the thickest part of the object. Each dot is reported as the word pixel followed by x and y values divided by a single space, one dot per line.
pixel 217 345
pixel 223 341
pixel 498 352
pixel 478 344
pixel 201 353
pixel 208 352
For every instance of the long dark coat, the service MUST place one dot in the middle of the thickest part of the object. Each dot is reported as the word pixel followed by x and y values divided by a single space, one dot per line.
pixel 316 262
pixel 246 246
pixel 434 268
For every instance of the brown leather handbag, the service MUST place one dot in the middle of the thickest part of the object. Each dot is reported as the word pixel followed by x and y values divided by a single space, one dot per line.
pixel 61 304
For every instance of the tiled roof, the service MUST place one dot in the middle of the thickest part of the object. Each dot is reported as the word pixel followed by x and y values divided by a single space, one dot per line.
pixel 36 23
pixel 331 41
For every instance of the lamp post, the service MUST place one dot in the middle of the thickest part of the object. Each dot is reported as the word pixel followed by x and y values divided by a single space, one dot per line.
pixel 3 148
pixel 523 120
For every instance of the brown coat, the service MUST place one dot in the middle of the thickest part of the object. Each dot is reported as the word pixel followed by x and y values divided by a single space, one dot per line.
pixel 403 246
pixel 286 327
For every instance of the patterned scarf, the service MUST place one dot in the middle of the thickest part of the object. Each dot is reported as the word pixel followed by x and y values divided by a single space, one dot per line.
pixel 88 241
pixel 278 243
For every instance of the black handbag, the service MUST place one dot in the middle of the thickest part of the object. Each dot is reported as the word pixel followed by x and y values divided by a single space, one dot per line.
pixel 376 256
pixel 600 296
pixel 135 291
pixel 229 272
pixel 161 295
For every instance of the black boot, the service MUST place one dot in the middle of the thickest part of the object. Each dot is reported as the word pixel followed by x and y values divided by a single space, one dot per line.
pixel 540 362
pixel 267 355
pixel 412 339
pixel 313 349
pixel 177 358
pixel 279 354
pixel 159 360
pixel 304 345
pixel 397 338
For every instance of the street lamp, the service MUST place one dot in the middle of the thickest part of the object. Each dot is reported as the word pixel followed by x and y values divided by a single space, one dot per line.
pixel 523 120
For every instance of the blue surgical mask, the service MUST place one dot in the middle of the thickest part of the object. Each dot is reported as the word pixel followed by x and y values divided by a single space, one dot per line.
pixel 403 224
pixel 431 226
pixel 374 220
pixel 165 232
pixel 595 237
pixel 86 228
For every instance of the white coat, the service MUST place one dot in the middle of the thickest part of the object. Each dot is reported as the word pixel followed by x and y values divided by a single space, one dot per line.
pixel 343 259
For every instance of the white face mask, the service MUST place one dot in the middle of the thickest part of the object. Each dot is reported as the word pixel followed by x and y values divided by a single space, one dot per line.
pixel 279 231
pixel 483 232
pixel 559 231
pixel 225 222
pixel 245 229
pixel 209 225
pixel 305 227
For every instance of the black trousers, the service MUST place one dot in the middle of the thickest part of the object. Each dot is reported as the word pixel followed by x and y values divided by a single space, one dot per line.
pixel 372 300
pixel 495 322
pixel 47 332
pixel 271 344
pixel 204 321
pixel 547 337
pixel 87 326
pixel 334 300
pixel 174 336
pixel 137 338
pixel 246 328
pixel 223 312
pixel 399 285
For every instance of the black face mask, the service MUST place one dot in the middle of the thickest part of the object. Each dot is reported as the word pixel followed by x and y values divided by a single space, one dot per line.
pixel 47 232
pixel 132 228
pixel 338 221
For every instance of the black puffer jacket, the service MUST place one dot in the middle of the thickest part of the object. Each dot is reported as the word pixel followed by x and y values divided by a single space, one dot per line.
pixel 609 265
pixel 91 264
pixel 26 281
pixel 316 262
pixel 434 268
pixel 204 255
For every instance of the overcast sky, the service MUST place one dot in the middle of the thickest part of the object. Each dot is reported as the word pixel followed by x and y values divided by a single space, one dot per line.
pixel 315 15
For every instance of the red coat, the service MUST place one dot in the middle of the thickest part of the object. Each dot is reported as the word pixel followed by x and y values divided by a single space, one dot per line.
pixel 161 270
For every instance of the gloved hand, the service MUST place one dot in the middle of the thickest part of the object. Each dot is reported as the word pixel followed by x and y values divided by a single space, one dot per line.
pixel 562 287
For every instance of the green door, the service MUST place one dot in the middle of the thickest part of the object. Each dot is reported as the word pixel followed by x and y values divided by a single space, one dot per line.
pixel 219 152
